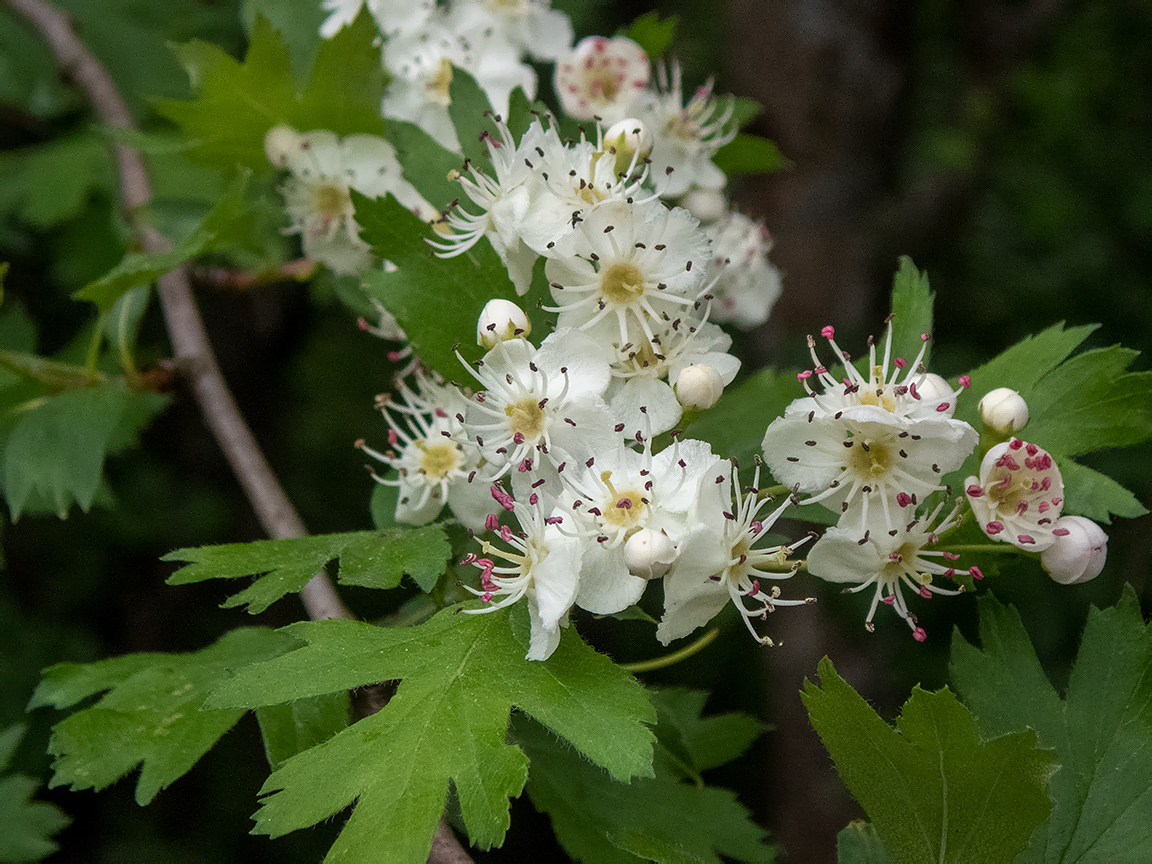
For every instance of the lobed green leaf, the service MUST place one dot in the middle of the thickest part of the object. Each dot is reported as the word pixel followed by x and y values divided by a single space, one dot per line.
pixel 1101 731
pixel 296 726
pixel 859 844
pixel 26 826
pixel 750 154
pixel 151 717
pixel 460 675
pixel 912 301
pixel 653 33
pixel 934 789
pixel 371 559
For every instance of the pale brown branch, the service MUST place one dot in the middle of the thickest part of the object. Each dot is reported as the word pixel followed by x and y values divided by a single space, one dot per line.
pixel 193 352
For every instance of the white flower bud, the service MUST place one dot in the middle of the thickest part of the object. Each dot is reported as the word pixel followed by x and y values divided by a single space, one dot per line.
pixel 1078 551
pixel 649 554
pixel 698 386
pixel 500 321
pixel 707 205
pixel 279 144
pixel 1004 410
pixel 933 388
pixel 629 137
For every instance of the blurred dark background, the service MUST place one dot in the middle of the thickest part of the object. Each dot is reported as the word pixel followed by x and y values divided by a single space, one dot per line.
pixel 1004 146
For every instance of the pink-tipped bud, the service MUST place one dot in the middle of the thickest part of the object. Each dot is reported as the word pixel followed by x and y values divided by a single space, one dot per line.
pixel 649 554
pixel 698 386
pixel 500 321
pixel 1078 550
pixel 1004 410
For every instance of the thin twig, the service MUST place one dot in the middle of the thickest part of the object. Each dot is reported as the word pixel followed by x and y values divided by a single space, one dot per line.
pixel 193 352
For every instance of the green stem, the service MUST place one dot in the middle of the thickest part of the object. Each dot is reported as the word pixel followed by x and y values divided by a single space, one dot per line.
pixel 123 348
pixel 675 657
pixel 92 360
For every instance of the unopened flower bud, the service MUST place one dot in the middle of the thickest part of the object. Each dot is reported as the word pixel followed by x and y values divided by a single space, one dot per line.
pixel 1004 410
pixel 500 321
pixel 1078 551
pixel 649 554
pixel 707 205
pixel 279 144
pixel 698 386
pixel 630 137
pixel 931 387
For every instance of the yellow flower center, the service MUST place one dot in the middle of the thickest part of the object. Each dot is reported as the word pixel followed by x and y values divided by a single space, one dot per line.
pixel 332 202
pixel 526 418
pixel 868 459
pixel 622 283
pixel 438 460
pixel 624 508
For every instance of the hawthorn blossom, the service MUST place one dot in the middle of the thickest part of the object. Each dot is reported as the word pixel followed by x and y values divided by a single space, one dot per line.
pixel 620 492
pixel 1018 495
pixel 633 268
pixel 530 26
pixel 419 66
pixel 392 16
pixel 323 169
pixel 890 560
pixel 860 457
pixel 540 405
pixel 687 136
pixel 601 78
pixel 433 467
pixel 542 564
pixel 719 562
pixel 883 387
pixel 745 284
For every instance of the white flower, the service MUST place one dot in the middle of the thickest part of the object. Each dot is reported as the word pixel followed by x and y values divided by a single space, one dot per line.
pixel 890 560
pixel 699 386
pixel 392 16
pixel 620 492
pixel 634 268
pixel 543 565
pixel 505 201
pixel 530 26
pixel 707 205
pixel 1004 410
pixel 433 467
pixel 1018 495
pixel 1078 551
pixel 687 136
pixel 718 562
pixel 745 284
pixel 540 405
pixel 316 193
pixel 861 457
pixel 601 78
pixel 419 65
pixel 640 395
pixel 882 387
pixel 488 55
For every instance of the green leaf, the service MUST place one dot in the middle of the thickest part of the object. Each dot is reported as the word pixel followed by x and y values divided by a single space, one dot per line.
pixel 426 164
pixel 372 559
pixel 237 103
pixel 456 287
pixel 460 675
pixel 469 110
pixel 214 232
pixel 750 154
pixel 26 826
pixel 1101 730
pixel 733 430
pixel 152 714
pixel 912 300
pixel 1090 402
pixel 745 110
pixel 653 33
pixel 697 743
pixel 295 726
pixel 932 787
pixel 660 819
pixel 297 23
pixel 858 844
pixel 1096 496
pixel 51 183
pixel 57 448
pixel 1022 366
